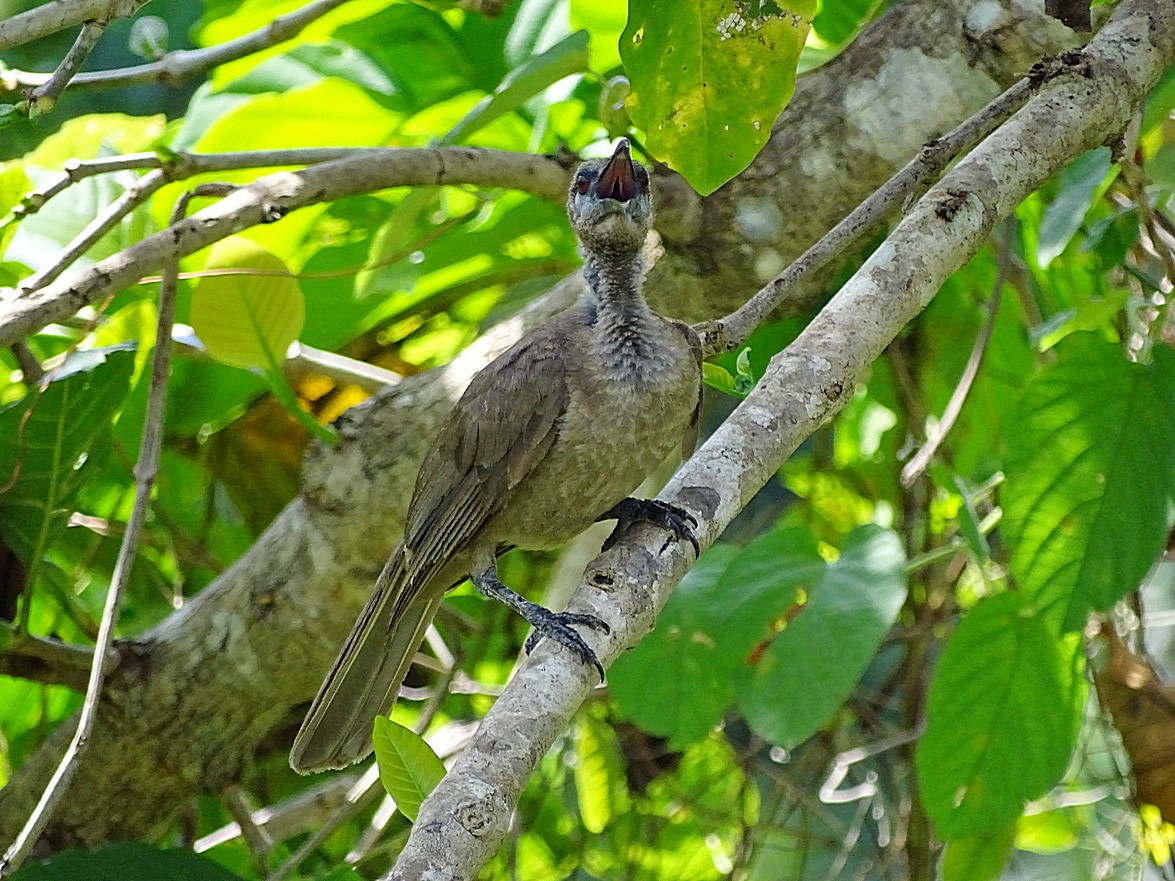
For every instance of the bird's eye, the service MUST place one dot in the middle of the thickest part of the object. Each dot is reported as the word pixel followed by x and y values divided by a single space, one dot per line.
pixel 582 184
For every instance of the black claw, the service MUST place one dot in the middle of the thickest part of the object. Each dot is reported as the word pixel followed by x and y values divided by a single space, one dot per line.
pixel 678 521
pixel 557 626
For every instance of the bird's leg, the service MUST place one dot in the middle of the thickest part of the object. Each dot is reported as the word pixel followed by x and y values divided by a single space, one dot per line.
pixel 678 521
pixel 556 625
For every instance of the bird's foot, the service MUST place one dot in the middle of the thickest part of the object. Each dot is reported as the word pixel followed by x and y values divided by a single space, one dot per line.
pixel 556 625
pixel 678 521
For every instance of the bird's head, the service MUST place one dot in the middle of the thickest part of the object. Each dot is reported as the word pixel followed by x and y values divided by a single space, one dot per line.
pixel 609 204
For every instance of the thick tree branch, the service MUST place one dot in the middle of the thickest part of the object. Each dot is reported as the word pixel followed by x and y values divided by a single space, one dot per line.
pixel 57 15
pixel 265 201
pixel 462 823
pixel 195 695
pixel 181 65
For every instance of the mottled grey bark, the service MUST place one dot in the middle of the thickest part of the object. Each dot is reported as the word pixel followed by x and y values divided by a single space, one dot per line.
pixel 195 696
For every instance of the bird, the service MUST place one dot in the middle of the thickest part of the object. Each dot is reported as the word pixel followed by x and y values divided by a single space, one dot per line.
pixel 551 436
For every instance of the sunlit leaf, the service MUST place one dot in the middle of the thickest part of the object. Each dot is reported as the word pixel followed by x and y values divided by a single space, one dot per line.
pixel 599 780
pixel 247 318
pixel 1000 718
pixel 1054 831
pixel 709 79
pixel 408 768
pixel 1091 476
pixel 14 185
pixel 604 20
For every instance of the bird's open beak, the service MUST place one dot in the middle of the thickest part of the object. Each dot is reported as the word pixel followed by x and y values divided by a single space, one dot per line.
pixel 618 179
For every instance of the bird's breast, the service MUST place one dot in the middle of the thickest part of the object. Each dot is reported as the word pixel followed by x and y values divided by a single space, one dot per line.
pixel 619 425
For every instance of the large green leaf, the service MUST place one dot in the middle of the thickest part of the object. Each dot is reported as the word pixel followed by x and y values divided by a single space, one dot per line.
pixel 568 56
pixel 126 861
pixel 247 318
pixel 677 681
pixel 408 768
pixel 811 668
pixel 680 679
pixel 1091 473
pixel 710 77
pixel 1001 718
pixel 50 443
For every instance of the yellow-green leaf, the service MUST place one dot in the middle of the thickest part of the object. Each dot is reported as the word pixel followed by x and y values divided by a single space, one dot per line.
pixel 709 78
pixel 408 768
pixel 247 319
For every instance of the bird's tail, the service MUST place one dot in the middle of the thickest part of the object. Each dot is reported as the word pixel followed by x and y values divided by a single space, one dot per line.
pixel 365 679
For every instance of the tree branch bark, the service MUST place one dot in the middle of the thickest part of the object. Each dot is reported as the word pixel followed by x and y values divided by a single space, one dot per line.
pixel 193 697
pixel 57 15
pixel 465 819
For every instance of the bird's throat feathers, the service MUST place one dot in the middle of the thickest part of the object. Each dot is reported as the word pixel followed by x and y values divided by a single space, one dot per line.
pixel 620 315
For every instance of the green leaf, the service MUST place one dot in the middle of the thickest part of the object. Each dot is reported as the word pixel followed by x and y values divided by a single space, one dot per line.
pixel 980 858
pixel 49 444
pixel 838 20
pixel 599 779
pixel 1079 185
pixel 14 184
pixel 568 56
pixel 126 861
pixel 1055 831
pixel 604 20
pixel 1091 473
pixel 709 78
pixel 677 681
pixel 1001 718
pixel 247 320
pixel 810 669
pixel 328 113
pixel 408 768
pixel 717 377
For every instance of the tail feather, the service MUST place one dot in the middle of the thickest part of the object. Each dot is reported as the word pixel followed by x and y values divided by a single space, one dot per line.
pixel 365 679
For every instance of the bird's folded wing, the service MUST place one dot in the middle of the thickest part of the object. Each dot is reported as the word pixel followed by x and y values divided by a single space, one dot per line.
pixel 499 431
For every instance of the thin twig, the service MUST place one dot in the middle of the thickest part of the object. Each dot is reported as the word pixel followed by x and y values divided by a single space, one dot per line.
pixel 301 812
pixel 145 472
pixel 303 360
pixel 936 435
pixel 257 839
pixel 177 67
pixel 180 166
pixel 57 15
pixel 131 198
pixel 44 97
pixel 76 170
pixel 358 797
pixel 30 368
pixel 727 334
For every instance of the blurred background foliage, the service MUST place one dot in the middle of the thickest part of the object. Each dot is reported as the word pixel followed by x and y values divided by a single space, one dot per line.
pixel 775 723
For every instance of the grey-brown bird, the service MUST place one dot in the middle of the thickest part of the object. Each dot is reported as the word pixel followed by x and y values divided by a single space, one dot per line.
pixel 550 437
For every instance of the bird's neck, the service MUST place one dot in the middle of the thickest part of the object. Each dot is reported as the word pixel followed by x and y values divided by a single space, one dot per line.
pixel 621 317
pixel 615 287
